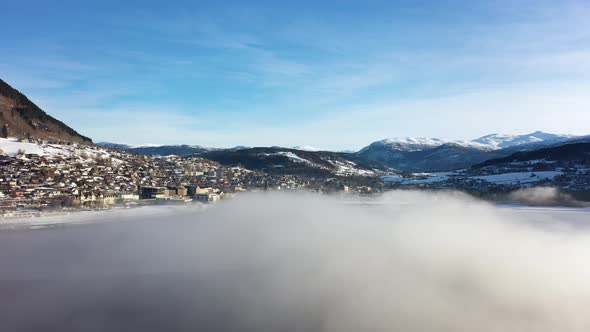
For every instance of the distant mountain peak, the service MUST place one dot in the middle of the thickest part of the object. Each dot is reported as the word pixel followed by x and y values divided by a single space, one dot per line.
pixel 408 143
pixel 500 141
pixel 425 154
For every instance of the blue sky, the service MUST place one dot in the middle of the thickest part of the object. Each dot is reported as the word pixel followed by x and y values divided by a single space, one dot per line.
pixel 330 74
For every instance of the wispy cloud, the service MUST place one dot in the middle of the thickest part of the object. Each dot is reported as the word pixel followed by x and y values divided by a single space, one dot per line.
pixel 263 75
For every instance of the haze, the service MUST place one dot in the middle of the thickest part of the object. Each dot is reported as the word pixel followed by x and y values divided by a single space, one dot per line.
pixel 293 262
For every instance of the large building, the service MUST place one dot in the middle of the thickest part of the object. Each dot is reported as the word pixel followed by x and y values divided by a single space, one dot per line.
pixel 207 197
pixel 153 192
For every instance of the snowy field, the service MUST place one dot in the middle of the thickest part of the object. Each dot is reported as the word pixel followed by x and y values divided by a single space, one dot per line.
pixel 518 177
pixel 12 146
pixel 418 178
pixel 504 178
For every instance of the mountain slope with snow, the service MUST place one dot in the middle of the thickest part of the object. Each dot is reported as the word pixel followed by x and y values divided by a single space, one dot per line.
pixel 277 160
pixel 488 142
pixel 434 154
pixel 501 141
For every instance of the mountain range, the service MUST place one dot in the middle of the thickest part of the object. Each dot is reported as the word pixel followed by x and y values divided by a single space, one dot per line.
pixel 404 154
pixel 434 154
pixel 21 118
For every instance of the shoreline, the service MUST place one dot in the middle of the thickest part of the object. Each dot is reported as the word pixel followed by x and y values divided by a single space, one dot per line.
pixel 78 217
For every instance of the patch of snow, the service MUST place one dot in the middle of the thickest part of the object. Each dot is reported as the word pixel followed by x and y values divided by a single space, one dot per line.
pixel 307 148
pixel 347 168
pixel 533 162
pixel 11 147
pixel 293 157
pixel 518 177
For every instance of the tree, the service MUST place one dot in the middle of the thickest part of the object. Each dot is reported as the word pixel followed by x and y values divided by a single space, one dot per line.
pixel 4 131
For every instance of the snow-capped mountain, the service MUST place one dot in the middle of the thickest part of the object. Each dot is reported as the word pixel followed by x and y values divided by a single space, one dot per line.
pixel 426 154
pixel 405 154
pixel 501 141
pixel 407 144
pixel 488 142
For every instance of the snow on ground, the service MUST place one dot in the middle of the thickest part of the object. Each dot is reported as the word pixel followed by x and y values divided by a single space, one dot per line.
pixel 349 168
pixel 533 162
pixel 518 177
pixel 12 146
pixel 504 178
pixel 295 158
pixel 418 178
pixel 344 168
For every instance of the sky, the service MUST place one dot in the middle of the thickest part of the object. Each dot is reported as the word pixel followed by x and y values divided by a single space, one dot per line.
pixel 329 74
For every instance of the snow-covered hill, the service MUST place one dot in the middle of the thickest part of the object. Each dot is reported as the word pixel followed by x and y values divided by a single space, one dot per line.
pixel 501 141
pixel 486 143
pixel 407 144
pixel 436 154
pixel 13 146
pixel 291 161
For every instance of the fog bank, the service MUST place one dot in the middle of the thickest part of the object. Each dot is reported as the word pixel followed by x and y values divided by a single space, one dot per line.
pixel 544 196
pixel 412 261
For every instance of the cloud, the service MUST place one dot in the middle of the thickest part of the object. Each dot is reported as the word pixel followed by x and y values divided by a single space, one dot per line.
pixel 371 70
pixel 544 196
pixel 411 261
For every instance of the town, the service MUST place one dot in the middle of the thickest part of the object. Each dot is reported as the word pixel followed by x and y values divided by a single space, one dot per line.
pixel 39 177
pixel 66 176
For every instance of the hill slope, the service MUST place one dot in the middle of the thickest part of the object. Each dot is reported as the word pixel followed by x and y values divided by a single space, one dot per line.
pixel 24 119
pixel 578 152
pixel 290 161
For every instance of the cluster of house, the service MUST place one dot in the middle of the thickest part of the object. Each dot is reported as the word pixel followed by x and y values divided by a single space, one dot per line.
pixel 180 193
pixel 94 176
pixel 87 176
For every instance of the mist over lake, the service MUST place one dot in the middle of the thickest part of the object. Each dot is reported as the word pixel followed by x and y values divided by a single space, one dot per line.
pixel 410 261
